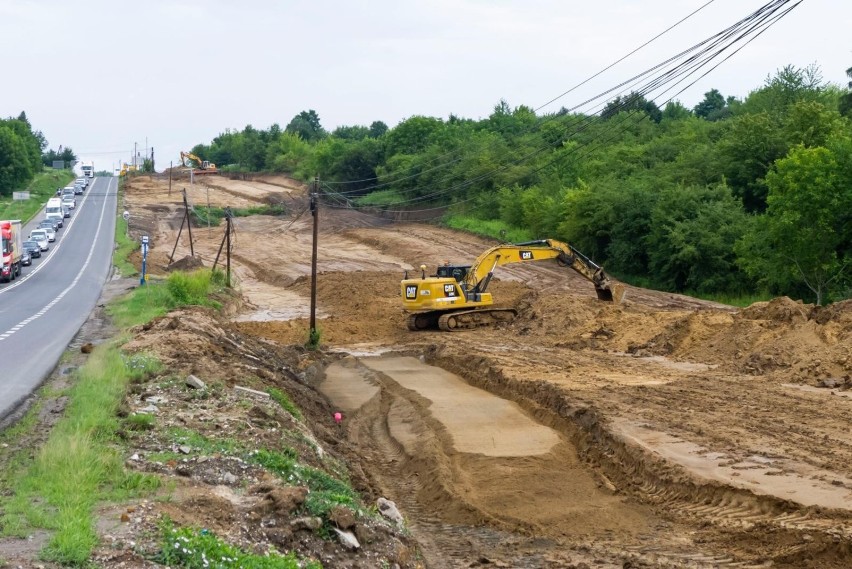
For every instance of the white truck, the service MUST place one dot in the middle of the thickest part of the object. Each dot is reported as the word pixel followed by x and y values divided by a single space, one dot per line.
pixel 53 210
pixel 88 168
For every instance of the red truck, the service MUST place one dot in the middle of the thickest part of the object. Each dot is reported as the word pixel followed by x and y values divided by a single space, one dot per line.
pixel 11 244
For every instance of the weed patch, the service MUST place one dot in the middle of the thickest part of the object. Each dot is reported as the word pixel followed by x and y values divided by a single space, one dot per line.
pixel 284 401
pixel 193 548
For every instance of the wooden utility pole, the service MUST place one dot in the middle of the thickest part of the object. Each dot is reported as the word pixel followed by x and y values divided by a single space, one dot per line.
pixel 315 213
pixel 228 257
pixel 188 224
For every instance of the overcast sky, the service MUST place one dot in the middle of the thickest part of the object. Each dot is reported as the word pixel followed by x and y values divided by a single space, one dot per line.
pixel 102 75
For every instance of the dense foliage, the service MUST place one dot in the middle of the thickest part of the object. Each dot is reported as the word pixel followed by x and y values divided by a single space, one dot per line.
pixel 733 196
pixel 21 156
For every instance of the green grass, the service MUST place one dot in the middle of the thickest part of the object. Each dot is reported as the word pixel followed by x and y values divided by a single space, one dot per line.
pixel 192 548
pixel 326 492
pixel 141 422
pixel 78 466
pixel 488 227
pixel 381 198
pixel 41 189
pixel 124 244
pixel 154 299
pixel 314 339
pixel 215 215
pixel 284 401
pixel 143 304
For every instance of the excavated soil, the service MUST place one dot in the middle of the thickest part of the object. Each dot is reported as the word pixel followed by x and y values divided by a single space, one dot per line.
pixel 661 432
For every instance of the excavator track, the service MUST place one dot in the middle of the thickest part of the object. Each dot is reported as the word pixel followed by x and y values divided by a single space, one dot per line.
pixel 469 319
pixel 423 321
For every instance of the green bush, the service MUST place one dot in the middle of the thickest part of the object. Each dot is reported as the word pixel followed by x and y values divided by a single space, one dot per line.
pixel 189 288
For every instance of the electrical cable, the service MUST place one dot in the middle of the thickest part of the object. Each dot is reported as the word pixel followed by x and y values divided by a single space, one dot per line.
pixel 578 85
pixel 763 20
pixel 763 12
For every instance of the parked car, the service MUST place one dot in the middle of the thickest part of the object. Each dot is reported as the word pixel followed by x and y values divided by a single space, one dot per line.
pixel 69 202
pixel 40 236
pixel 26 258
pixel 32 248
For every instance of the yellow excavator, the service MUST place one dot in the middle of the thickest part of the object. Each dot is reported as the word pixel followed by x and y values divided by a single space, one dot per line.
pixel 456 297
pixel 204 166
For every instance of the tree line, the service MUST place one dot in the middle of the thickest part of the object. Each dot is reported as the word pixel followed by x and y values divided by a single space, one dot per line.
pixel 22 153
pixel 733 196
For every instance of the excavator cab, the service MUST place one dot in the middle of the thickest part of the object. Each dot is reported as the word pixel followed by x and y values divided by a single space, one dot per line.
pixel 458 272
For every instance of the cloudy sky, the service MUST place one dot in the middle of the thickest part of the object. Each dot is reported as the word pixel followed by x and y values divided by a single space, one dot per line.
pixel 102 76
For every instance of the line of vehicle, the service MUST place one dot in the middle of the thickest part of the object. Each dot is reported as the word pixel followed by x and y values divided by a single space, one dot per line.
pixel 53 249
pixel 80 273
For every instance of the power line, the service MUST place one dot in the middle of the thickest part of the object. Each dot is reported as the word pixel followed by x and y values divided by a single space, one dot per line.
pixel 578 85
pixel 700 50
pixel 754 25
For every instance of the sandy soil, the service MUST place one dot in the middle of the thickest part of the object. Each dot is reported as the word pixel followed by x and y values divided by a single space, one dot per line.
pixel 668 431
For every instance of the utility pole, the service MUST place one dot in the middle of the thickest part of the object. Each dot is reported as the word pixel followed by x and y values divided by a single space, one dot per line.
pixel 188 224
pixel 134 154
pixel 171 165
pixel 152 160
pixel 315 213
pixel 228 257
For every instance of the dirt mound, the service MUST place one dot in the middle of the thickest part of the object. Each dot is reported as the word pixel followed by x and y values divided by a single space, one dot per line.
pixel 781 309
pixel 188 263
pixel 838 312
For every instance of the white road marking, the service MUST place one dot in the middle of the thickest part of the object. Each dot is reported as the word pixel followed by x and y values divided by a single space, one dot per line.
pixel 80 273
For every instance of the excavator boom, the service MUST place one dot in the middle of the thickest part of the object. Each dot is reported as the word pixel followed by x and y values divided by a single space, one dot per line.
pixel 457 297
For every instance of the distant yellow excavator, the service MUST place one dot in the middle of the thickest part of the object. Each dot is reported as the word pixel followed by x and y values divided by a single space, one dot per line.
pixel 455 298
pixel 204 166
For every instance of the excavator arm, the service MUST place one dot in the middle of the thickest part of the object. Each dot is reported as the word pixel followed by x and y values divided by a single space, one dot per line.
pixel 479 276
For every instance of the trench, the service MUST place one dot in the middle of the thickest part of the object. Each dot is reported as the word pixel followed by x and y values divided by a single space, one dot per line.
pixel 484 479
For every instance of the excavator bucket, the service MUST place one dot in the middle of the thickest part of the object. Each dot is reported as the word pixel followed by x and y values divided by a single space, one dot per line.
pixel 612 293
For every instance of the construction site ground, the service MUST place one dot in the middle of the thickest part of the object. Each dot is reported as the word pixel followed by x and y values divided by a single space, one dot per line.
pixel 663 431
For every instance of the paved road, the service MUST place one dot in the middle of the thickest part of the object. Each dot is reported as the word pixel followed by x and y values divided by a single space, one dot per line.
pixel 42 310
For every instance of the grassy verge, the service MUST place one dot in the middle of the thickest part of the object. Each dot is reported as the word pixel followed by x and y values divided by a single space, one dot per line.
pixel 201 215
pixel 41 189
pixel 157 298
pixel 79 465
pixel 489 228
pixel 124 244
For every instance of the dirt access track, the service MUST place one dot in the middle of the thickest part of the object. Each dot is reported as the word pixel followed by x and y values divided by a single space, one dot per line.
pixel 662 432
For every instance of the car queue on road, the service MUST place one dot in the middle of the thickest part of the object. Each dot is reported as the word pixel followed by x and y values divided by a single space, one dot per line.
pixel 32 246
